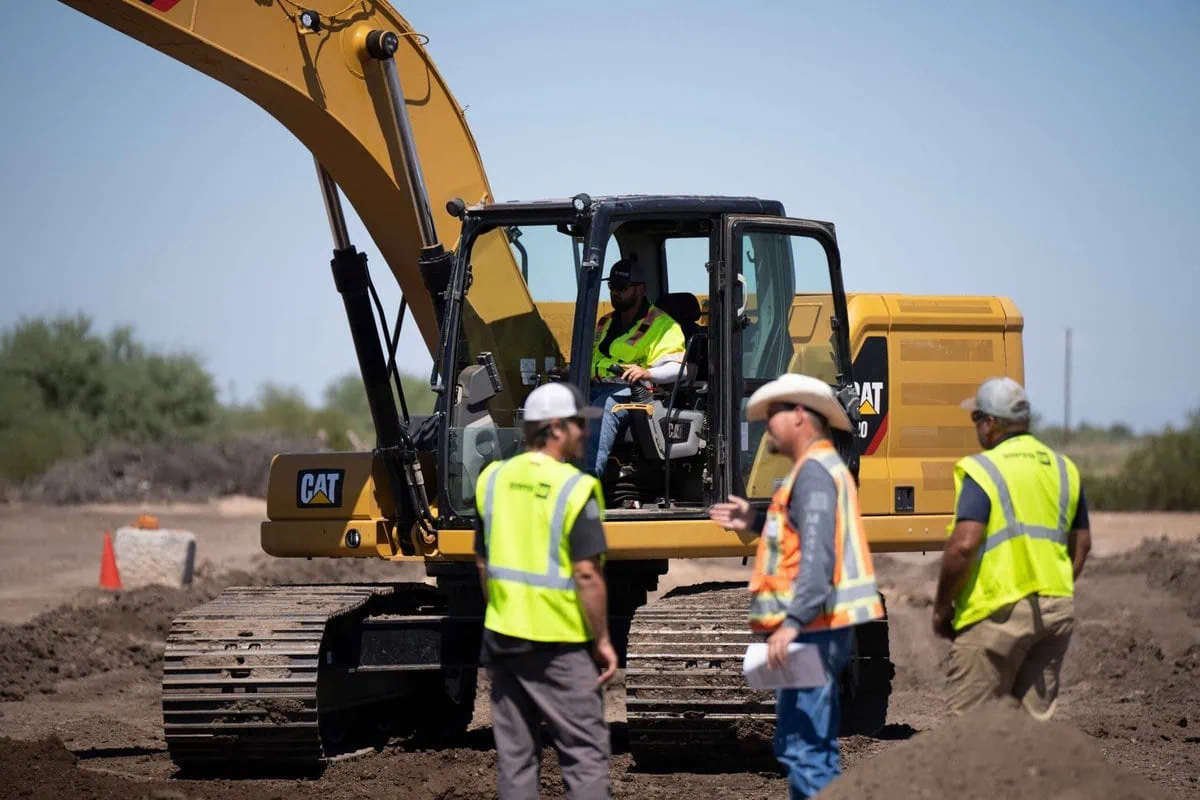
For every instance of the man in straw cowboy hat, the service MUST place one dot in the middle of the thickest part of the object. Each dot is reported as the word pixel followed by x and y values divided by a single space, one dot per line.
pixel 813 576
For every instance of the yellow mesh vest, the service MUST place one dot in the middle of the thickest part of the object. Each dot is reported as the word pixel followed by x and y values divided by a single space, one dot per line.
pixel 1034 493
pixel 529 504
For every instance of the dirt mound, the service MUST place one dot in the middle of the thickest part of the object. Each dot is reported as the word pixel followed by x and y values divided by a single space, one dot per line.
pixel 171 470
pixel 998 753
pixel 1167 564
pixel 46 770
pixel 101 632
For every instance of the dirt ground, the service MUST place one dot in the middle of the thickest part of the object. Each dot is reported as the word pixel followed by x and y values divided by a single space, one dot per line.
pixel 80 708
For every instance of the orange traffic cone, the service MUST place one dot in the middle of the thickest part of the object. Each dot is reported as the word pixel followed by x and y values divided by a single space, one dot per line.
pixel 110 578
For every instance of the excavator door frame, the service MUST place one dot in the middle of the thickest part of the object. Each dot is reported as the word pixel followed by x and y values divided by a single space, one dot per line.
pixel 757 295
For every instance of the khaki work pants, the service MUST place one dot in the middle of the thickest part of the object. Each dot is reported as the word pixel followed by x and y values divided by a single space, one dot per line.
pixel 1015 655
pixel 558 688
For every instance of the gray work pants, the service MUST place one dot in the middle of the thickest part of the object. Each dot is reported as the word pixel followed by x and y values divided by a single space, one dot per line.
pixel 559 688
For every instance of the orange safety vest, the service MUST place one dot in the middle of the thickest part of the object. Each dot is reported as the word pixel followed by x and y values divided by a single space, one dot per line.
pixel 855 596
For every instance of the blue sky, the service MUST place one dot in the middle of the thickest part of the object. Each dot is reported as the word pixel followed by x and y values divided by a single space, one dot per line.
pixel 1047 152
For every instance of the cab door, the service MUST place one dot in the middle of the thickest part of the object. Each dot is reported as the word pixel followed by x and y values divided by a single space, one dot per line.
pixel 782 309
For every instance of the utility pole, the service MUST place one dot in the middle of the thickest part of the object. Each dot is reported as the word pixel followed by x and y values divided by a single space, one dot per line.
pixel 1067 391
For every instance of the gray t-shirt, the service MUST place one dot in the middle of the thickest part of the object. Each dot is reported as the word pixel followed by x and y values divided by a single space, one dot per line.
pixel 812 511
pixel 586 541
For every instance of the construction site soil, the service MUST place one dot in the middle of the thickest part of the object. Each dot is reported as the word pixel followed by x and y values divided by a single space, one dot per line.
pixel 80 709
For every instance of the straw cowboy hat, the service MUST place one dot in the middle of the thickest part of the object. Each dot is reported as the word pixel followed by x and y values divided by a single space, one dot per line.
pixel 812 393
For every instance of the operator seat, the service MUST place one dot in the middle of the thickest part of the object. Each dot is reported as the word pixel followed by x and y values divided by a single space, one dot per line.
pixel 684 308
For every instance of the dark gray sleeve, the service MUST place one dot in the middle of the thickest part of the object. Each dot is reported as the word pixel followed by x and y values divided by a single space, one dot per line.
pixel 1081 512
pixel 587 534
pixel 480 547
pixel 973 503
pixel 812 511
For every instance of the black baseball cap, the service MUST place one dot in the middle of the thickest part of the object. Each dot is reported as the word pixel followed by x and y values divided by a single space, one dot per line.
pixel 627 270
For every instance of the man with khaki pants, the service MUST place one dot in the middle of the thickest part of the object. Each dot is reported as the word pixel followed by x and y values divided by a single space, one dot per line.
pixel 1018 542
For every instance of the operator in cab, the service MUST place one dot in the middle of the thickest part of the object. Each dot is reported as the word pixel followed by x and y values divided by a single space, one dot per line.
pixel 636 342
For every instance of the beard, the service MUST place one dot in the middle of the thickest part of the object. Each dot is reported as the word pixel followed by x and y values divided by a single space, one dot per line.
pixel 622 305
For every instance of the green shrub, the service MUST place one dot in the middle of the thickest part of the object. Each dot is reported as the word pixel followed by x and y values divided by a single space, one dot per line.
pixel 1162 474
pixel 65 389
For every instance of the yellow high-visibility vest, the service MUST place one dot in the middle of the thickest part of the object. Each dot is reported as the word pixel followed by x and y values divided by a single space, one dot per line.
pixel 529 504
pixel 654 340
pixel 1034 493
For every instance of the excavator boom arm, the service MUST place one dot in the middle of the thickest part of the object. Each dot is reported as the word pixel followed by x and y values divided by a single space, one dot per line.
pixel 308 67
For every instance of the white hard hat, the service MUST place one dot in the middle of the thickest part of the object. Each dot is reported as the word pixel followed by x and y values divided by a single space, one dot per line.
pixel 556 400
pixel 803 390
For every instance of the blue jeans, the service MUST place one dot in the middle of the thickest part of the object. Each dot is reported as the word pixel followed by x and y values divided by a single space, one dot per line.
pixel 806 720
pixel 601 437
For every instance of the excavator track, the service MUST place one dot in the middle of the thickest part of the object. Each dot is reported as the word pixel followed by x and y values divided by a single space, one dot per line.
pixel 241 673
pixel 686 698
pixel 687 701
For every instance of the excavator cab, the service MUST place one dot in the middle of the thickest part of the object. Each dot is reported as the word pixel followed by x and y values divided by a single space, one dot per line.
pixel 754 293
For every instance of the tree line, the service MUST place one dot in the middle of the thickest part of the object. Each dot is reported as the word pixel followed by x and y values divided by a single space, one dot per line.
pixel 66 389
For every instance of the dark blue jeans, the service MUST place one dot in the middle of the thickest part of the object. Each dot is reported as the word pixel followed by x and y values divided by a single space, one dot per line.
pixel 806 720
pixel 602 436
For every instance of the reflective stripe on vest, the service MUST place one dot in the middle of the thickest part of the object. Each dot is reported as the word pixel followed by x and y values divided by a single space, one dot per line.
pixel 1014 527
pixel 552 578
pixel 646 324
pixel 602 326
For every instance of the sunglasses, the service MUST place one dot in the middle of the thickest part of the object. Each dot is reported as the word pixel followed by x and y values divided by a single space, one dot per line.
pixel 978 416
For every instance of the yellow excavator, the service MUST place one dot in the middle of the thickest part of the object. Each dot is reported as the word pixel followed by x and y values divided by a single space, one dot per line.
pixel 505 294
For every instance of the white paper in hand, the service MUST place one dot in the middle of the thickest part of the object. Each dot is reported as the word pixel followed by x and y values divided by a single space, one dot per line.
pixel 801 670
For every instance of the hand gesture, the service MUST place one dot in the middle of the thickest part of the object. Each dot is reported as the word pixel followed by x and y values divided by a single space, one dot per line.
pixel 633 374
pixel 606 659
pixel 736 515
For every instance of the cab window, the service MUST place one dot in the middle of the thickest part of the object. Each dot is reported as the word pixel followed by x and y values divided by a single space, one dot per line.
pixel 788 305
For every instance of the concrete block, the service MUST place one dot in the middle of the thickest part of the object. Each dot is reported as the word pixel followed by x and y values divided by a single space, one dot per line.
pixel 149 557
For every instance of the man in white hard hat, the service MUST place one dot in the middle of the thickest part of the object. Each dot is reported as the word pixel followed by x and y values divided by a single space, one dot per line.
pixel 1019 540
pixel 539 548
pixel 813 575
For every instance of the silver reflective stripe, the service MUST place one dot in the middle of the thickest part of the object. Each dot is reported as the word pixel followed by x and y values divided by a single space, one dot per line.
pixel 1006 503
pixel 829 461
pixel 1032 531
pixel 489 494
pixel 849 556
pixel 530 578
pixel 867 591
pixel 860 614
pixel 557 521
pixel 1064 491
